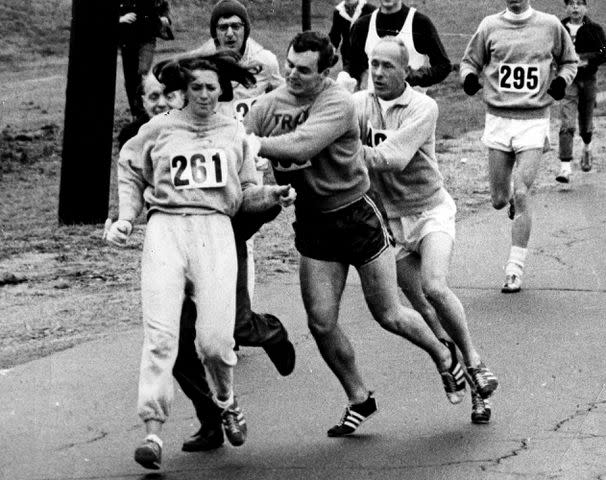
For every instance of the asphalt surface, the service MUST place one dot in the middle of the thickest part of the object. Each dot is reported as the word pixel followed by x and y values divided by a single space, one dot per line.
pixel 72 415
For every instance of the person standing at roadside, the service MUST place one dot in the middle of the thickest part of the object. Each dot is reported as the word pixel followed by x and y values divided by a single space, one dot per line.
pixel 515 52
pixel 579 102
pixel 141 22
pixel 344 16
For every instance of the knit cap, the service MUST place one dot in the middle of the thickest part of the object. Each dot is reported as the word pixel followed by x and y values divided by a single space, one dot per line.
pixel 227 8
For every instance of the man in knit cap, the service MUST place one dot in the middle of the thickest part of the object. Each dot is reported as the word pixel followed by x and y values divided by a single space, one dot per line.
pixel 230 29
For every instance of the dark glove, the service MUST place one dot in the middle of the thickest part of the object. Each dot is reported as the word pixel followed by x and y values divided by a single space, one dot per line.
pixel 557 89
pixel 471 85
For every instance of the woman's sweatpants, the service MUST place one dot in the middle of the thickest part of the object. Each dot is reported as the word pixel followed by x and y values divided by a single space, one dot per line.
pixel 201 249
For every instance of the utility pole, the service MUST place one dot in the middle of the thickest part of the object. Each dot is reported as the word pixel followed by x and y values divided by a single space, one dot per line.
pixel 89 112
pixel 306 14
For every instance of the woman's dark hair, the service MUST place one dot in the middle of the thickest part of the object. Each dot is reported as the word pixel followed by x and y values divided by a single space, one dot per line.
pixel 176 74
pixel 316 42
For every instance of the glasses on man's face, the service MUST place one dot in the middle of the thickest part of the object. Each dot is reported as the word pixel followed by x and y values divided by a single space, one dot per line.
pixel 574 3
pixel 224 27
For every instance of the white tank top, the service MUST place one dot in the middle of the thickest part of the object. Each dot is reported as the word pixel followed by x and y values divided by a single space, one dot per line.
pixel 415 59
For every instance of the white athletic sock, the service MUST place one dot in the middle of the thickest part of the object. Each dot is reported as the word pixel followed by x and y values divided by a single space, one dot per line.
pixel 223 404
pixel 515 264
pixel 587 147
pixel 566 166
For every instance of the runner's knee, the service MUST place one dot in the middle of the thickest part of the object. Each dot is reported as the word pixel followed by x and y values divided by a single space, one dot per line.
pixel 435 288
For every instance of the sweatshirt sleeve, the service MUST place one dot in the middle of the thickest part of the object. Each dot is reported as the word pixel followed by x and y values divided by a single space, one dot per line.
pixel 132 180
pixel 329 118
pixel 474 58
pixel 399 148
pixel 567 59
pixel 357 63
pixel 335 34
pixel 429 44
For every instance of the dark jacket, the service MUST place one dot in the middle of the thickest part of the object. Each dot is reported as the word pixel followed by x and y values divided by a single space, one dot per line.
pixel 339 31
pixel 131 129
pixel 148 25
pixel 426 40
pixel 590 44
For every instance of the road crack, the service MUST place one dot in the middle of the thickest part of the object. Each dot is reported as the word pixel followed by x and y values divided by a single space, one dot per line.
pixel 522 447
pixel 578 413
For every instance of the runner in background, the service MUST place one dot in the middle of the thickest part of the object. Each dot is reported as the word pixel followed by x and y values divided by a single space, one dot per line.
pixel 515 51
pixel 344 16
pixel 429 63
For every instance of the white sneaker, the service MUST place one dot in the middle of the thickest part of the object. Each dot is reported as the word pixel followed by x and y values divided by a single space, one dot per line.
pixel 563 176
pixel 513 284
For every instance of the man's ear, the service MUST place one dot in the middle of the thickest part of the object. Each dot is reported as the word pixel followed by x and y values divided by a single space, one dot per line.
pixel 326 72
pixel 407 71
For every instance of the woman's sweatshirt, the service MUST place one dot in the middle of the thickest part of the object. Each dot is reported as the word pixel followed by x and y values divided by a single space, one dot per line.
pixel 183 166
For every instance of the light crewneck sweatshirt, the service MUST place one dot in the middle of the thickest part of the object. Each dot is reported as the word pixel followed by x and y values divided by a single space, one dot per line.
pixel 517 58
pixel 179 165
pixel 313 144
pixel 400 151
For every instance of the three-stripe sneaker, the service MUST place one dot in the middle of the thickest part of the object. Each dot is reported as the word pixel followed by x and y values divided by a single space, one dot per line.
pixel 453 378
pixel 484 380
pixel 480 408
pixel 234 424
pixel 353 417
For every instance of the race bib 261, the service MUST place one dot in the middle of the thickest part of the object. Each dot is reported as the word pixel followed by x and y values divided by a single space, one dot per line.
pixel 206 168
pixel 519 78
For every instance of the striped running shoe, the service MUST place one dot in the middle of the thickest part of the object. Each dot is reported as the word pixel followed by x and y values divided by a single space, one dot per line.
pixel 480 408
pixel 353 417
pixel 234 424
pixel 453 378
pixel 484 380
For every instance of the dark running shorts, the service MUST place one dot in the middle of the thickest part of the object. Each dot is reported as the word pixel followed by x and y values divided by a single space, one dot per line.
pixel 354 235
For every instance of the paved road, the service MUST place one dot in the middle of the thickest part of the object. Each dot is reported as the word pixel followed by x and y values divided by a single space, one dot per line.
pixel 72 415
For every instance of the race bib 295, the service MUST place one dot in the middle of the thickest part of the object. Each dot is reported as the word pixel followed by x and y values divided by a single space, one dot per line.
pixel 519 78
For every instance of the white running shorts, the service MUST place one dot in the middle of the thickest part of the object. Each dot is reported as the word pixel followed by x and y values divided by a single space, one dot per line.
pixel 515 135
pixel 408 231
